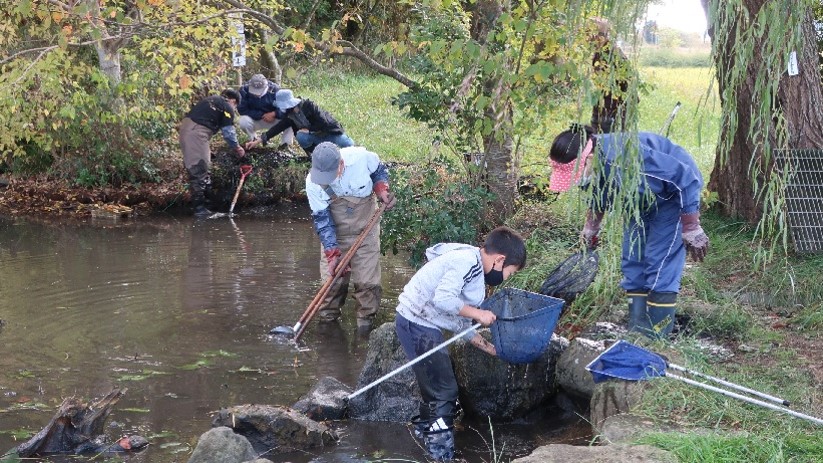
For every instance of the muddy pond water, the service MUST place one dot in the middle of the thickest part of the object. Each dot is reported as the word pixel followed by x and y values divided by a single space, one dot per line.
pixel 177 311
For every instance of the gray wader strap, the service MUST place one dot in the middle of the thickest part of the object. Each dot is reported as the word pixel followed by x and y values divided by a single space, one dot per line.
pixel 330 192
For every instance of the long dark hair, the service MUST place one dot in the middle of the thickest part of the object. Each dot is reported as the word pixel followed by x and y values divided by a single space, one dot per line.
pixel 568 145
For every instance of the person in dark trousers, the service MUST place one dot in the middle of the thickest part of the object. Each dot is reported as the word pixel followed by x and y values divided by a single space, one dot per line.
pixel 666 226
pixel 207 117
pixel 343 186
pixel 444 295
pixel 258 110
pixel 311 124
pixel 611 75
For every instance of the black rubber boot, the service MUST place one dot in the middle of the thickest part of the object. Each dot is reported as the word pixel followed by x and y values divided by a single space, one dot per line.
pixel 661 308
pixel 199 202
pixel 638 315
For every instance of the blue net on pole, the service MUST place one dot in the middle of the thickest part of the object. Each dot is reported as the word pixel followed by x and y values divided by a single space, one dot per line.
pixel 624 360
pixel 525 323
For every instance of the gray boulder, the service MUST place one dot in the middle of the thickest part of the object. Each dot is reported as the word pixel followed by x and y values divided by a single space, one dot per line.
pixel 222 445
pixel 562 453
pixel 325 401
pixel 613 398
pixel 490 387
pixel 395 399
pixel 273 430
pixel 572 375
pixel 626 428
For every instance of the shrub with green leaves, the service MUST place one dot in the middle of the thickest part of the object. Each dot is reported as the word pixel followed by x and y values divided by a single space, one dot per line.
pixel 434 205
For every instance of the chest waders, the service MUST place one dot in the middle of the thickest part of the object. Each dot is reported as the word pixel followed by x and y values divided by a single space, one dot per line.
pixel 194 142
pixel 350 216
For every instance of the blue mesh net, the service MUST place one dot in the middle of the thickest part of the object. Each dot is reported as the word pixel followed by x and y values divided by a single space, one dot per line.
pixel 624 360
pixel 525 323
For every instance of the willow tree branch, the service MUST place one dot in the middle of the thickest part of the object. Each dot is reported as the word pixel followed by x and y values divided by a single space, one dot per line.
pixel 350 50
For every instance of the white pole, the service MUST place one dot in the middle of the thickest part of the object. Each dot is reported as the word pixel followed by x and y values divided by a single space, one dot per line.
pixel 731 385
pixel 406 365
pixel 747 399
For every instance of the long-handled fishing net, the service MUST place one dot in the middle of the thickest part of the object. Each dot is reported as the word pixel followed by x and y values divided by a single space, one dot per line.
pixel 623 360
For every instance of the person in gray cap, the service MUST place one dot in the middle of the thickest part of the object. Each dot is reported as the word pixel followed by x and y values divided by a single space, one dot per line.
pixel 311 124
pixel 342 187
pixel 258 110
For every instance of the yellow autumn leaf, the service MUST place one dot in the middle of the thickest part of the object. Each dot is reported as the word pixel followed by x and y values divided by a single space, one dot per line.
pixel 56 16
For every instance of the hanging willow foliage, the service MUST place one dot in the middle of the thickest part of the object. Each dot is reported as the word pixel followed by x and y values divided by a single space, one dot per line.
pixel 752 43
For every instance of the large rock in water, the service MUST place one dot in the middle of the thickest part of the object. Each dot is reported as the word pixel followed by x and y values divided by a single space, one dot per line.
pixel 222 445
pixel 325 401
pixel 490 387
pixel 395 399
pixel 275 430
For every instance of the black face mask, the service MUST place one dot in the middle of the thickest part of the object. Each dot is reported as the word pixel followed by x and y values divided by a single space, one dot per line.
pixel 493 277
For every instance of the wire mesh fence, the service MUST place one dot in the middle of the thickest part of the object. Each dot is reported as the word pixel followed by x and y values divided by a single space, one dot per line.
pixel 803 170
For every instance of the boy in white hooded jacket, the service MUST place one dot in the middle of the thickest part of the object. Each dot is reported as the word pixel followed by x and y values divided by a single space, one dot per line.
pixel 445 294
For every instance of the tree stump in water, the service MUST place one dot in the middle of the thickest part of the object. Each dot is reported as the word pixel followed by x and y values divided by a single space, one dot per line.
pixel 74 424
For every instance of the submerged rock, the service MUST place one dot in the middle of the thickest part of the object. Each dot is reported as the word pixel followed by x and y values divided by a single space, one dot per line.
pixel 271 429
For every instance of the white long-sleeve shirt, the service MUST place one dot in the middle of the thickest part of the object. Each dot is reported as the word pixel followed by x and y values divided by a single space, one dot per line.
pixel 452 278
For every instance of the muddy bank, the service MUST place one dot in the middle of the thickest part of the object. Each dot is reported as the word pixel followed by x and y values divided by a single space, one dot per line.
pixel 276 176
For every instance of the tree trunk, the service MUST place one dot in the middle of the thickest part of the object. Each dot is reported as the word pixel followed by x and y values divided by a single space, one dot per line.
pixel 270 61
pixel 799 102
pixel 502 172
pixel 108 54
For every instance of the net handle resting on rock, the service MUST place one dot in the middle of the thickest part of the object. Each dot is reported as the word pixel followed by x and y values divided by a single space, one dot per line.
pixel 623 360
pixel 763 395
pixel 412 362
pixel 747 399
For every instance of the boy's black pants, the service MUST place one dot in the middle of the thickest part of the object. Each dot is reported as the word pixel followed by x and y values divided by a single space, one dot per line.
pixel 435 376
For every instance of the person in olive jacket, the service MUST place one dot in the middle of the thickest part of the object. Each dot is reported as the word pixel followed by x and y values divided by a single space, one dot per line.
pixel 311 124
pixel 210 115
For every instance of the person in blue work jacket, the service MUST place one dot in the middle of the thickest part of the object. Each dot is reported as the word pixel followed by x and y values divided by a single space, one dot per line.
pixel 667 226
pixel 342 187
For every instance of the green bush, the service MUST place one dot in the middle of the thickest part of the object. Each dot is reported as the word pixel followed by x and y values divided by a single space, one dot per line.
pixel 434 205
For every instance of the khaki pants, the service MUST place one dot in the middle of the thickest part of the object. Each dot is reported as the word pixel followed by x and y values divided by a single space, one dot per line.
pixel 252 126
pixel 351 215
pixel 194 142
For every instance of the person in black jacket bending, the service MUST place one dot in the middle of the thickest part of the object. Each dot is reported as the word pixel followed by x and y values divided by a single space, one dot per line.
pixel 210 115
pixel 311 124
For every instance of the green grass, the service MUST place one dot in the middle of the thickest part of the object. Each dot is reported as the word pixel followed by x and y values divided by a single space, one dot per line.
pixel 362 104
pixel 780 447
